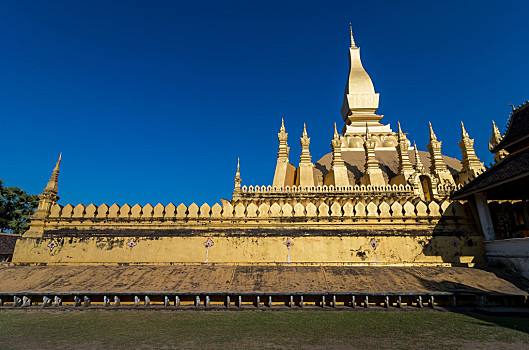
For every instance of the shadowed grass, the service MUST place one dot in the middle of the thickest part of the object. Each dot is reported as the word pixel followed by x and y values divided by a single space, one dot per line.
pixel 261 330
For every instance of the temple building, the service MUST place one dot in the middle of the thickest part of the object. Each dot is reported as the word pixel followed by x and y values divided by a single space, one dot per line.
pixel 368 153
pixel 373 222
pixel 374 198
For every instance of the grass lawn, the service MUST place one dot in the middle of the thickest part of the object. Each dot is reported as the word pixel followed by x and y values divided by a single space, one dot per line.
pixel 260 330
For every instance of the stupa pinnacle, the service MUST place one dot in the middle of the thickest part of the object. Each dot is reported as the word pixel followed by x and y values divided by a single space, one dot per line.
pixel 360 99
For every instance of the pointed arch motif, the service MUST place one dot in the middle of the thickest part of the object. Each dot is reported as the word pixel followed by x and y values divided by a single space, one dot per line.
pixel 170 211
pixel 135 211
pixel 90 211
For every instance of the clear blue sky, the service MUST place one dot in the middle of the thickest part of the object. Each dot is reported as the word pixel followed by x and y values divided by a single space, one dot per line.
pixel 153 101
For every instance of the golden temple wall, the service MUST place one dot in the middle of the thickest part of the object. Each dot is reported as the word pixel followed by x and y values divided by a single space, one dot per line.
pixel 341 232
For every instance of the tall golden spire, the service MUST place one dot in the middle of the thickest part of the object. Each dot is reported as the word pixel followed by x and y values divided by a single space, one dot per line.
pixel 338 176
pixel 283 174
pixel 372 172
pixel 305 173
pixel 360 99
pixel 438 166
pixel 305 157
pixel 336 145
pixel 405 169
pixel 353 45
pixel 470 165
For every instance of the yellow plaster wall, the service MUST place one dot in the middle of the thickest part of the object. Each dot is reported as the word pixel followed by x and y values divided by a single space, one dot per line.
pixel 398 250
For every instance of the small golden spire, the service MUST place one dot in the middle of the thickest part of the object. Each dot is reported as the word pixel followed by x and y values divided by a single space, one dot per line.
pixel 352 39
pixel 237 176
pixel 53 184
pixel 237 181
pixel 282 125
pixel 432 134
pixel 400 130
pixel 418 164
pixel 368 135
pixel 304 130
pixel 335 131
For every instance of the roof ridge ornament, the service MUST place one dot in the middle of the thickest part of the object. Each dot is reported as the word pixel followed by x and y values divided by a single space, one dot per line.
pixel 353 45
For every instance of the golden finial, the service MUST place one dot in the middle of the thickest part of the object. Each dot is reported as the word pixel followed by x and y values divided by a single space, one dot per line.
pixel 432 134
pixel 237 173
pixel 304 130
pixel 400 130
pixel 352 39
pixel 335 131
pixel 464 133
pixel 282 125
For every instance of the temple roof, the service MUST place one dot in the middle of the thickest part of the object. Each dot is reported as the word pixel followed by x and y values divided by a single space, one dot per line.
pixel 507 179
pixel 518 129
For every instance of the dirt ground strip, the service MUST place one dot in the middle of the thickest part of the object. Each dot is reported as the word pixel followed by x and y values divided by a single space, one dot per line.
pixel 236 278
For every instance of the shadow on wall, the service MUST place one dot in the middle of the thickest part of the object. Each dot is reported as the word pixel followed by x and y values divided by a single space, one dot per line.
pixel 456 236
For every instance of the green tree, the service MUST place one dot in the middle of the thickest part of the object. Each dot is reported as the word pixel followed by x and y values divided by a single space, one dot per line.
pixel 16 208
